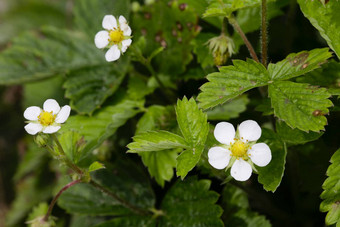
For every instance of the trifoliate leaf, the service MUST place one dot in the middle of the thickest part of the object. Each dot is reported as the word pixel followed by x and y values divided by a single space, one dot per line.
pixel 232 81
pixel 330 195
pixel 156 141
pixel 190 203
pixel 271 175
pixel 194 127
pixel 300 105
pixel 229 110
pixel 326 19
pixel 32 58
pixel 295 136
pixel 95 166
pixel 297 64
pixel 103 123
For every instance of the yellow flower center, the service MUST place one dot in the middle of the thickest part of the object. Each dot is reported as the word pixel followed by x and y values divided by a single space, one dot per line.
pixel 46 118
pixel 239 149
pixel 116 36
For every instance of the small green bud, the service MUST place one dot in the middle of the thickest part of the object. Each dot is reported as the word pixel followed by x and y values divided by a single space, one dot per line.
pixel 221 47
pixel 41 139
pixel 149 2
pixel 135 7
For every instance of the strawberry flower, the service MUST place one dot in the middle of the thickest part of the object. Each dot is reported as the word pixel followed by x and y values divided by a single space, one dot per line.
pixel 116 37
pixel 239 149
pixel 46 120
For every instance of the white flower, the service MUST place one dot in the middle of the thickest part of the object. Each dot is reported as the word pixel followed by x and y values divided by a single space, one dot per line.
pixel 116 36
pixel 46 120
pixel 238 149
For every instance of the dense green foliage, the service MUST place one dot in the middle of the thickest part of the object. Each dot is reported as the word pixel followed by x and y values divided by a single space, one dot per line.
pixel 134 151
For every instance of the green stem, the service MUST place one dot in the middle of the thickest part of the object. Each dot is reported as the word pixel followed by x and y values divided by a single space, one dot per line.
pixel 264 32
pixel 120 200
pixel 238 29
pixel 50 208
pixel 67 161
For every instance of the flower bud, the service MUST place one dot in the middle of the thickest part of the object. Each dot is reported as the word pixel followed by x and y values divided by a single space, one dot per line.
pixel 41 139
pixel 135 7
pixel 221 47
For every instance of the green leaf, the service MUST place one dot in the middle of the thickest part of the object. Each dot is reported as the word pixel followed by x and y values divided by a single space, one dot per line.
pixel 271 175
pixel 190 203
pixel 194 127
pixel 330 195
pixel 327 76
pixel 88 88
pixel 295 136
pixel 85 199
pixel 226 7
pixel 32 58
pixel 156 141
pixel 230 109
pixel 297 64
pixel 73 144
pixel 89 14
pixel 85 220
pixel 95 166
pixel 298 105
pixel 326 19
pixel 103 123
pixel 160 163
pixel 232 81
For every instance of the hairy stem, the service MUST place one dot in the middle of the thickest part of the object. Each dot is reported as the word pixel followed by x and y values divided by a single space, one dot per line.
pixel 50 208
pixel 238 29
pixel 68 162
pixel 264 32
pixel 120 200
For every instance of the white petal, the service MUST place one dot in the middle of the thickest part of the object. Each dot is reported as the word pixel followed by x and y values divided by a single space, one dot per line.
pixel 219 157
pixel 224 133
pixel 63 114
pixel 127 42
pixel 241 170
pixel 33 128
pixel 112 54
pixel 101 39
pixel 109 22
pixel 32 113
pixel 126 30
pixel 122 20
pixel 260 154
pixel 51 129
pixel 124 48
pixel 249 130
pixel 51 105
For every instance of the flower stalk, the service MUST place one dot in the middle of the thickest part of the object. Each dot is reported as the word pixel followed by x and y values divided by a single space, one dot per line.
pixel 264 32
pixel 238 29
pixel 50 208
